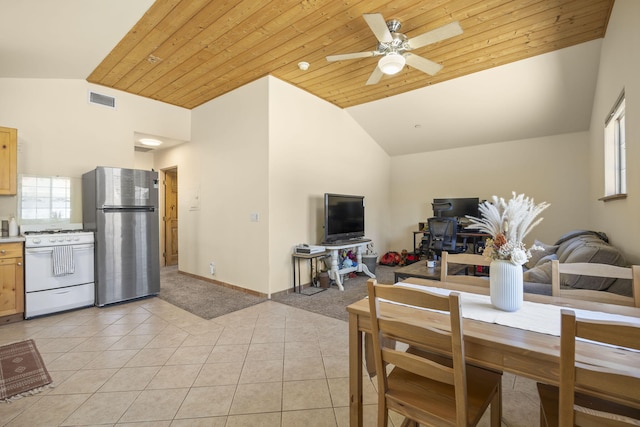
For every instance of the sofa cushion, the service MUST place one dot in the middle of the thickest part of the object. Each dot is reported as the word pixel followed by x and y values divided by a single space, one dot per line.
pixel 538 274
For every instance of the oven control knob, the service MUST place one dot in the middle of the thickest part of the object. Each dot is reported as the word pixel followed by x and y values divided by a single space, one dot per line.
pixel 68 239
pixel 52 240
pixel 36 241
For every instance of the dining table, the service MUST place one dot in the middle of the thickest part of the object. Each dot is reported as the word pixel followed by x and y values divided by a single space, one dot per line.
pixel 496 339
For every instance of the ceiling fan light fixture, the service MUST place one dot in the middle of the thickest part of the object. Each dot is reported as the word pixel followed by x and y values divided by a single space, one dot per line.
pixel 391 63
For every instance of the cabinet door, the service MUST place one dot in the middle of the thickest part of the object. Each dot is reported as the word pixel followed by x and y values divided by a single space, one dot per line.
pixel 8 160
pixel 11 286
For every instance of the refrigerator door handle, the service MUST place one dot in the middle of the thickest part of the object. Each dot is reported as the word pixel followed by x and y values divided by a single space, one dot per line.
pixel 128 209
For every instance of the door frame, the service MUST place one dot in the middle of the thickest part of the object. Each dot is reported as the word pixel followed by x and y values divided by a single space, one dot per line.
pixel 163 246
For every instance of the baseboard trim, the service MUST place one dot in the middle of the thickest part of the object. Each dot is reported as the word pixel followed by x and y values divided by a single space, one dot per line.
pixel 224 284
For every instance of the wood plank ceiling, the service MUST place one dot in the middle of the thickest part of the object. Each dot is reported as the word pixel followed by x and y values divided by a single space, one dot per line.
pixel 187 52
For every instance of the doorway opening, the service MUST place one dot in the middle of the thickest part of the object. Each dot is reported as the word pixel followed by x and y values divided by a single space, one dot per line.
pixel 170 216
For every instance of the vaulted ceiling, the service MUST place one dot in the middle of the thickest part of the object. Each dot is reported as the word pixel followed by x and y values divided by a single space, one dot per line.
pixel 521 68
pixel 191 51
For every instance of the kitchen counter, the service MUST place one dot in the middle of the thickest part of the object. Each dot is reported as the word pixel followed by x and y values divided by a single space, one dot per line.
pixel 11 239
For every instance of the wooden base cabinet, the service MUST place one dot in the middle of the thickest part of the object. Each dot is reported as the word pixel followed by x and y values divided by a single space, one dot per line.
pixel 11 283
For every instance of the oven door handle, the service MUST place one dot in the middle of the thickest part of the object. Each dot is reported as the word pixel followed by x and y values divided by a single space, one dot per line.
pixel 49 249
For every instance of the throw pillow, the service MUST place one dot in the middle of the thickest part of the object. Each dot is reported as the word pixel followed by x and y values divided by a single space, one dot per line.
pixel 536 256
pixel 538 274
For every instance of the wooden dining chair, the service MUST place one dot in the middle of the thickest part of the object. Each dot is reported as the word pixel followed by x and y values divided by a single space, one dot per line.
pixel 596 270
pixel 467 259
pixel 565 407
pixel 428 387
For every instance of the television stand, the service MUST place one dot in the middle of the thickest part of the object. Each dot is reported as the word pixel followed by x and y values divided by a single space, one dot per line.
pixel 336 272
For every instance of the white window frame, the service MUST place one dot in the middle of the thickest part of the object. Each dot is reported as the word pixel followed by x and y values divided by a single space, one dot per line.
pixel 44 199
pixel 615 163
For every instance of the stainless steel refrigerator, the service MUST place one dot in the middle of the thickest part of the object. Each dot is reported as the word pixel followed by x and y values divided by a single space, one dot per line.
pixel 121 207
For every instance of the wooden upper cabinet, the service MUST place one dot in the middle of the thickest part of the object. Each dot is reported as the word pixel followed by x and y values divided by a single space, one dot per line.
pixel 8 161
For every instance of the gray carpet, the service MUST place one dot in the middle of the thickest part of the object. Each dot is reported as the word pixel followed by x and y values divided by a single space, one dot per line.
pixel 333 302
pixel 208 300
pixel 200 297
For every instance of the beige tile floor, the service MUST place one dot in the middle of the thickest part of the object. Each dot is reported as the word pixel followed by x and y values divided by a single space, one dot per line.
pixel 148 362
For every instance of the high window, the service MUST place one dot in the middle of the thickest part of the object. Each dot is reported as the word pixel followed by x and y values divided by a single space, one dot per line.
pixel 45 198
pixel 615 150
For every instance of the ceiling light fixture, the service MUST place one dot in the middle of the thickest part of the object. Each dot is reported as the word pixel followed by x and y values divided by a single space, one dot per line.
pixel 150 142
pixel 304 66
pixel 391 63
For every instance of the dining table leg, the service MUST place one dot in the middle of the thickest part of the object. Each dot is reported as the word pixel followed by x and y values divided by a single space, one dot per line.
pixel 355 372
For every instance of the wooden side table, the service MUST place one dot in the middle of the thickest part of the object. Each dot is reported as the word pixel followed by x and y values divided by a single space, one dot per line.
pixel 295 259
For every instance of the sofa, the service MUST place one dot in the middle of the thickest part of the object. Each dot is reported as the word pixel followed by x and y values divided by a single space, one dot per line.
pixel 575 246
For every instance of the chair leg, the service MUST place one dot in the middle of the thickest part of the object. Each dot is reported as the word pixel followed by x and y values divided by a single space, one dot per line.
pixel 543 419
pixel 496 407
pixel 383 414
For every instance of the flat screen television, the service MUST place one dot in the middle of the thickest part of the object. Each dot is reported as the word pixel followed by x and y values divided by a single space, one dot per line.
pixel 459 207
pixel 343 217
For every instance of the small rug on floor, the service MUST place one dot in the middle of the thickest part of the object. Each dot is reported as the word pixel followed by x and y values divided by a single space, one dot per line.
pixel 202 298
pixel 22 370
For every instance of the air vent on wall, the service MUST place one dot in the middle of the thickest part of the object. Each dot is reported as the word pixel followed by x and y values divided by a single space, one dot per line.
pixel 104 100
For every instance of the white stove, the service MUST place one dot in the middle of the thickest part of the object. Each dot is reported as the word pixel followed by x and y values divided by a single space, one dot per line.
pixel 59 269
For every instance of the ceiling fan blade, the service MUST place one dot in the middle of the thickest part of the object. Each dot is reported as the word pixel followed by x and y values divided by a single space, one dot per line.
pixel 345 56
pixel 444 32
pixel 375 76
pixel 422 64
pixel 378 26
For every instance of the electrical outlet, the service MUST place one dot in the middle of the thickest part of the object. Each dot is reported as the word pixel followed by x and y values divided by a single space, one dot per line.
pixel 212 268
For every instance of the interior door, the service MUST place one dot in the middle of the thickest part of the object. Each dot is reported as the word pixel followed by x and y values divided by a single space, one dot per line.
pixel 171 217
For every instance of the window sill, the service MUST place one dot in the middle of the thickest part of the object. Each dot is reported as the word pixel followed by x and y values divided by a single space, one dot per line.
pixel 613 197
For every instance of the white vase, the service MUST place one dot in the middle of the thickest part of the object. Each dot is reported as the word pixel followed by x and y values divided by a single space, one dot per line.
pixel 505 285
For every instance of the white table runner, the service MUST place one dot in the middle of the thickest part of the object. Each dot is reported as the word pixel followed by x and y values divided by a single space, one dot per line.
pixel 535 317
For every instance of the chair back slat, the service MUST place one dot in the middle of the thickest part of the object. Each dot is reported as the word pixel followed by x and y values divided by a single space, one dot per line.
pixel 419 365
pixel 596 270
pixel 466 259
pixel 409 296
pixel 416 335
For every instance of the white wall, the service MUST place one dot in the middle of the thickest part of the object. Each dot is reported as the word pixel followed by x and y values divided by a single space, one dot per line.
pixel 225 167
pixel 553 169
pixel 619 69
pixel 316 148
pixel 60 133
pixel 143 160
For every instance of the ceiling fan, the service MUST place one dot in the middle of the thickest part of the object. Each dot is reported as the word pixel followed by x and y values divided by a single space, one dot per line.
pixel 395 47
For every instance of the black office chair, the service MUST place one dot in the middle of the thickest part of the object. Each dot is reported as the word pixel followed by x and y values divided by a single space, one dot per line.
pixel 439 207
pixel 443 236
